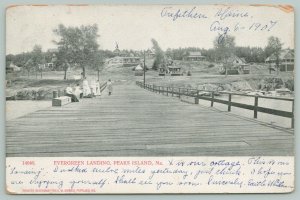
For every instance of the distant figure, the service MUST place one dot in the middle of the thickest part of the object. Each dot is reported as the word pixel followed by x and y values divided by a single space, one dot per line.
pixel 109 87
pixel 78 92
pixel 69 93
pixel 86 88
pixel 98 91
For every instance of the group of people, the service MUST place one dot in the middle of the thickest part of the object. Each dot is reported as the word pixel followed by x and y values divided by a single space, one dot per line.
pixel 87 90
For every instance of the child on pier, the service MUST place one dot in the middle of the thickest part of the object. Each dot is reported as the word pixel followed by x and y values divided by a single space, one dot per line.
pixel 109 87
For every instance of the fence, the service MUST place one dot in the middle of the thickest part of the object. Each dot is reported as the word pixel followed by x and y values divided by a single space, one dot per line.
pixel 210 96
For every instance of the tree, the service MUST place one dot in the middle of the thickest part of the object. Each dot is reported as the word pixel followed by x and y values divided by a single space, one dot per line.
pixel 273 49
pixel 98 63
pixel 28 66
pixel 37 58
pixel 224 48
pixel 159 55
pixel 77 44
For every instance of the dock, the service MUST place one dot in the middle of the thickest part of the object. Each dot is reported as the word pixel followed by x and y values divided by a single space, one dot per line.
pixel 136 122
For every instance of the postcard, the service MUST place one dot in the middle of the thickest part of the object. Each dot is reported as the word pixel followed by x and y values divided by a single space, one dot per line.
pixel 149 99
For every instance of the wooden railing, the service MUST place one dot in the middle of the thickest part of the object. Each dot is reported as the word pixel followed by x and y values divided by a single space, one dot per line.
pixel 210 96
pixel 103 86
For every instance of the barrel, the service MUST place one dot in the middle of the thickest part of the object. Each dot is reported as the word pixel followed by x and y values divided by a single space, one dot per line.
pixel 55 94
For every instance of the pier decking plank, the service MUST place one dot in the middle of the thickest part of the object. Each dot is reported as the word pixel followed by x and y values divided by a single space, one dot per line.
pixel 136 122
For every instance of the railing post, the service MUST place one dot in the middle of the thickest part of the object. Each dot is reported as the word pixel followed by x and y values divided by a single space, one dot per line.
pixel 255 106
pixel 197 97
pixel 229 102
pixel 212 99
pixel 172 91
pixel 179 93
pixel 293 120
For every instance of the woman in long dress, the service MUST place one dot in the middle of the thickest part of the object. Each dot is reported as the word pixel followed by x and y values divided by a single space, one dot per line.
pixel 98 91
pixel 86 88
pixel 93 87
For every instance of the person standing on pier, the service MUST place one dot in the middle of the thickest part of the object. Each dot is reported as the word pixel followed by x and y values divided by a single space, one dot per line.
pixel 109 87
pixel 86 88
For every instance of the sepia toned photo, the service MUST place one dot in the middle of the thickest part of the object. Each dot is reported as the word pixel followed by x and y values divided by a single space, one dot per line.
pixel 139 84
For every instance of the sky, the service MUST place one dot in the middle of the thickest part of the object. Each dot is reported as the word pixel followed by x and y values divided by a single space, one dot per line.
pixel 132 27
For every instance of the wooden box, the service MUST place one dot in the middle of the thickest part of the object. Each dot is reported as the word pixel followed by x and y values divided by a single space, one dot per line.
pixel 60 101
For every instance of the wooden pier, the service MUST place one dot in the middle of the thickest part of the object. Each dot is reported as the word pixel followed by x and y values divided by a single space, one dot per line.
pixel 136 122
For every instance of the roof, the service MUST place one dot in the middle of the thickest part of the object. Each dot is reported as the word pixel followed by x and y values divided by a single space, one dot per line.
pixel 234 58
pixel 174 67
pixel 284 54
pixel 14 67
pixel 138 67
pixel 195 53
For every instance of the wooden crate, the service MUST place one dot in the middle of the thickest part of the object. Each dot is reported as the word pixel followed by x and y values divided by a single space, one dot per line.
pixel 60 101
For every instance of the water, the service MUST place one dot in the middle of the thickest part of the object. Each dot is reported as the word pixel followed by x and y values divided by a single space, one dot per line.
pixel 267 103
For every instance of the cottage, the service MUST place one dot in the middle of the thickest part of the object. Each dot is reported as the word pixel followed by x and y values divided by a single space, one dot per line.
pixel 234 65
pixel 286 60
pixel 150 53
pixel 194 56
pixel 175 70
pixel 13 68
pixel 124 61
pixel 138 70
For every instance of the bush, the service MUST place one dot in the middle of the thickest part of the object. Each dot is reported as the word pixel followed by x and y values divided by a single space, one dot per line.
pixel 289 84
pixel 210 65
pixel 189 73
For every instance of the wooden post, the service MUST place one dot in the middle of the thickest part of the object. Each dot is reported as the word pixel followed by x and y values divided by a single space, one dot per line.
pixel 172 91
pixel 144 67
pixel 212 99
pixel 255 106
pixel 293 120
pixel 178 92
pixel 229 102
pixel 197 97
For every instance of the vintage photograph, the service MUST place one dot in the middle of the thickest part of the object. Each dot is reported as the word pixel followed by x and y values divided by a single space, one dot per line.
pixel 149 80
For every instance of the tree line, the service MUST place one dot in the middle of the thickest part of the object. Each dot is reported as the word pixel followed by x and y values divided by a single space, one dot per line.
pixel 78 47
pixel 227 48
